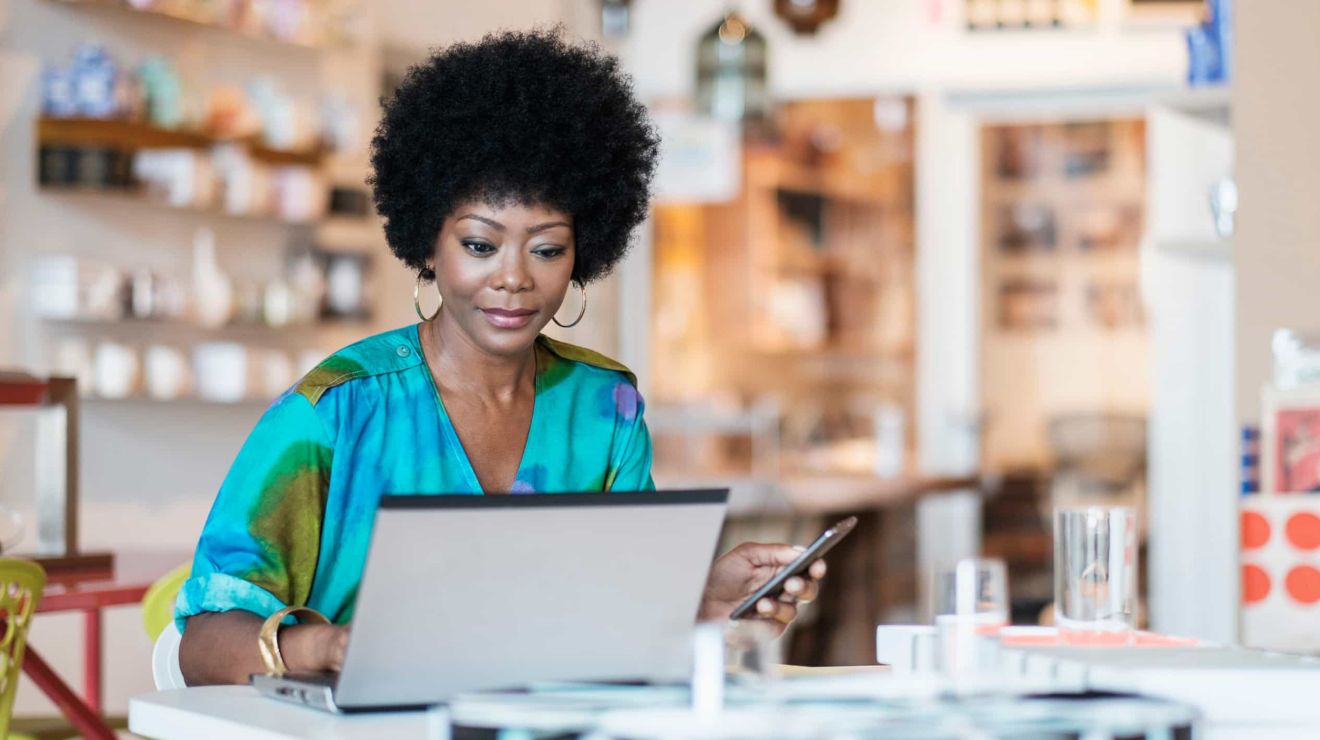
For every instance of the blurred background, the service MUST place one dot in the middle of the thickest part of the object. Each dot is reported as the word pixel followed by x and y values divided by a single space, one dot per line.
pixel 943 263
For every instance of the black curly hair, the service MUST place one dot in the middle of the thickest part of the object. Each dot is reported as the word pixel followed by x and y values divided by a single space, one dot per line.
pixel 523 117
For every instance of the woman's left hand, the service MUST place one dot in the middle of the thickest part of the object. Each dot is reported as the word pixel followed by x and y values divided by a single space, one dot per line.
pixel 739 572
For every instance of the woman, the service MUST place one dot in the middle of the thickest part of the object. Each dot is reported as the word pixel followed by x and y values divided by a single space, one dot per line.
pixel 505 170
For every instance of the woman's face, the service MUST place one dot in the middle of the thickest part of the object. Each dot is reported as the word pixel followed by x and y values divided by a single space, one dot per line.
pixel 502 271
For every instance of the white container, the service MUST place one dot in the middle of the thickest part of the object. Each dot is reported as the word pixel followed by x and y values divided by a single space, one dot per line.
pixel 166 372
pixel 116 370
pixel 221 370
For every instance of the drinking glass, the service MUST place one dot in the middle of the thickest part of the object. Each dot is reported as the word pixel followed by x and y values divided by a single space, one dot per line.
pixel 752 654
pixel 1095 574
pixel 970 603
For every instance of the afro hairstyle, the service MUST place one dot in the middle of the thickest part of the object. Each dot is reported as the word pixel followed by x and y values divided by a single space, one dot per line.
pixel 517 117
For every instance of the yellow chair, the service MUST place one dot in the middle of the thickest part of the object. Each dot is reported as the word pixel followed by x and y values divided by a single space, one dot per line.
pixel 158 601
pixel 158 618
pixel 21 585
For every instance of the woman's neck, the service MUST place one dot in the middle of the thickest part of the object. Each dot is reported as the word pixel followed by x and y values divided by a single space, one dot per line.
pixel 460 365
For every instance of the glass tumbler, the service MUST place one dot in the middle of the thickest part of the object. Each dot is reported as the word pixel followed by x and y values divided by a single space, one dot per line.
pixel 970 603
pixel 1095 574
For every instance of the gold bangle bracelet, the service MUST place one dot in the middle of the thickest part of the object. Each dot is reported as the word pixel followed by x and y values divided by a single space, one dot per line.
pixel 268 640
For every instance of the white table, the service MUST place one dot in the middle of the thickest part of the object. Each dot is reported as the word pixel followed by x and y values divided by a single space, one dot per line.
pixel 225 712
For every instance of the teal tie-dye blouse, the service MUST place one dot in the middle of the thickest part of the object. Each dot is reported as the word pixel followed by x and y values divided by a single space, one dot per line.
pixel 293 517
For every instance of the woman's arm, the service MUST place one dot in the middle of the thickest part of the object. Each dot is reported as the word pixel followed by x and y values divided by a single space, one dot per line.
pixel 221 648
pixel 258 549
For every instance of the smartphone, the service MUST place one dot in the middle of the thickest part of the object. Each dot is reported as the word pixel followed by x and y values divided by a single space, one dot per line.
pixel 823 544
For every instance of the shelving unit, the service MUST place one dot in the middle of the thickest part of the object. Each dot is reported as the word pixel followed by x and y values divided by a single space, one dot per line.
pixel 284 188
pixel 138 198
pixel 165 328
pixel 802 289
pixel 126 138
pixel 130 136
pixel 237 26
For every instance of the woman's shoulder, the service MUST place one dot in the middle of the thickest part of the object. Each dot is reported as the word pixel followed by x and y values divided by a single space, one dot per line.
pixel 587 362
pixel 387 352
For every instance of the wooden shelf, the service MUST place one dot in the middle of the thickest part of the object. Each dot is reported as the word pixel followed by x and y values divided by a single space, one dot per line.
pixel 293 336
pixel 132 135
pixel 139 197
pixel 204 22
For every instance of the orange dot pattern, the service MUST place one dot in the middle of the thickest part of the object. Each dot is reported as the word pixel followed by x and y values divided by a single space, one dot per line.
pixel 1303 530
pixel 1303 584
pixel 1255 530
pixel 1255 584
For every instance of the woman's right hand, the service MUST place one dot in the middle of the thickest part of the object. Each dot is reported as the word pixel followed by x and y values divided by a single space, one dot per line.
pixel 314 648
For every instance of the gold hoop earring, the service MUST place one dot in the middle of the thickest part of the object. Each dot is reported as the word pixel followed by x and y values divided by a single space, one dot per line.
pixel 581 313
pixel 417 300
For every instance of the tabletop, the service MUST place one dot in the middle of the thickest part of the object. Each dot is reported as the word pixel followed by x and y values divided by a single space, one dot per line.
pixel 223 712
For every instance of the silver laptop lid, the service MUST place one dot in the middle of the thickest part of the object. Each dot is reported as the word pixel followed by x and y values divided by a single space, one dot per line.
pixel 474 592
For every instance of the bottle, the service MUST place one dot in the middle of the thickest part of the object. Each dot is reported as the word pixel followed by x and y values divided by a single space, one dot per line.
pixel 213 294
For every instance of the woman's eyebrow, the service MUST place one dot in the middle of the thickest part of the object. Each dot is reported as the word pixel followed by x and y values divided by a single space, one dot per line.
pixel 500 227
pixel 493 224
pixel 547 225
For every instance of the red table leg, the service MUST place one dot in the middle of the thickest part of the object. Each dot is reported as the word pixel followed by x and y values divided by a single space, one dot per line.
pixel 82 717
pixel 92 659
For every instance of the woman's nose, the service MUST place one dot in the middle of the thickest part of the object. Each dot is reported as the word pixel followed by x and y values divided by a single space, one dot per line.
pixel 513 275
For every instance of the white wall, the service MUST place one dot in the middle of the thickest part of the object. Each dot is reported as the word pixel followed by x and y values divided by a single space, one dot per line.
pixel 1277 242
pixel 420 26
pixel 881 45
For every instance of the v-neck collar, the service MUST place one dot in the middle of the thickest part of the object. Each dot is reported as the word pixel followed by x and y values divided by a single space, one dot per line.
pixel 451 433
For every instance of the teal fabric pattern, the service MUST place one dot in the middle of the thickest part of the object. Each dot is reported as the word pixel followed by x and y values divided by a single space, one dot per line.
pixel 291 522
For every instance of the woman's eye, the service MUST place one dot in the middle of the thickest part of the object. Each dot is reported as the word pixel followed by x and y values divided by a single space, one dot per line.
pixel 550 252
pixel 479 247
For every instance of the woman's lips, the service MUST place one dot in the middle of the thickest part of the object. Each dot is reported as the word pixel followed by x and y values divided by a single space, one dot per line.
pixel 509 318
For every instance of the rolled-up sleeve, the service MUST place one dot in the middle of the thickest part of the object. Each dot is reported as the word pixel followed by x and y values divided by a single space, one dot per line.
pixel 259 547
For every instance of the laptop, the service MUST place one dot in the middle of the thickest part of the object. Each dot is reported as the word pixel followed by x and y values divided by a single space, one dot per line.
pixel 463 593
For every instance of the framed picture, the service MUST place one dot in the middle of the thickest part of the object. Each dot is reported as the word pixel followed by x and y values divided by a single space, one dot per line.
pixel 1028 304
pixel 1019 151
pixel 1109 228
pixel 1114 304
pixel 1290 440
pixel 1086 150
pixel 1027 227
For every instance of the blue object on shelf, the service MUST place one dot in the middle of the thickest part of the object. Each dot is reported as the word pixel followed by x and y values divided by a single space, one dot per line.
pixel 1249 460
pixel 1210 46
pixel 57 98
pixel 94 78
